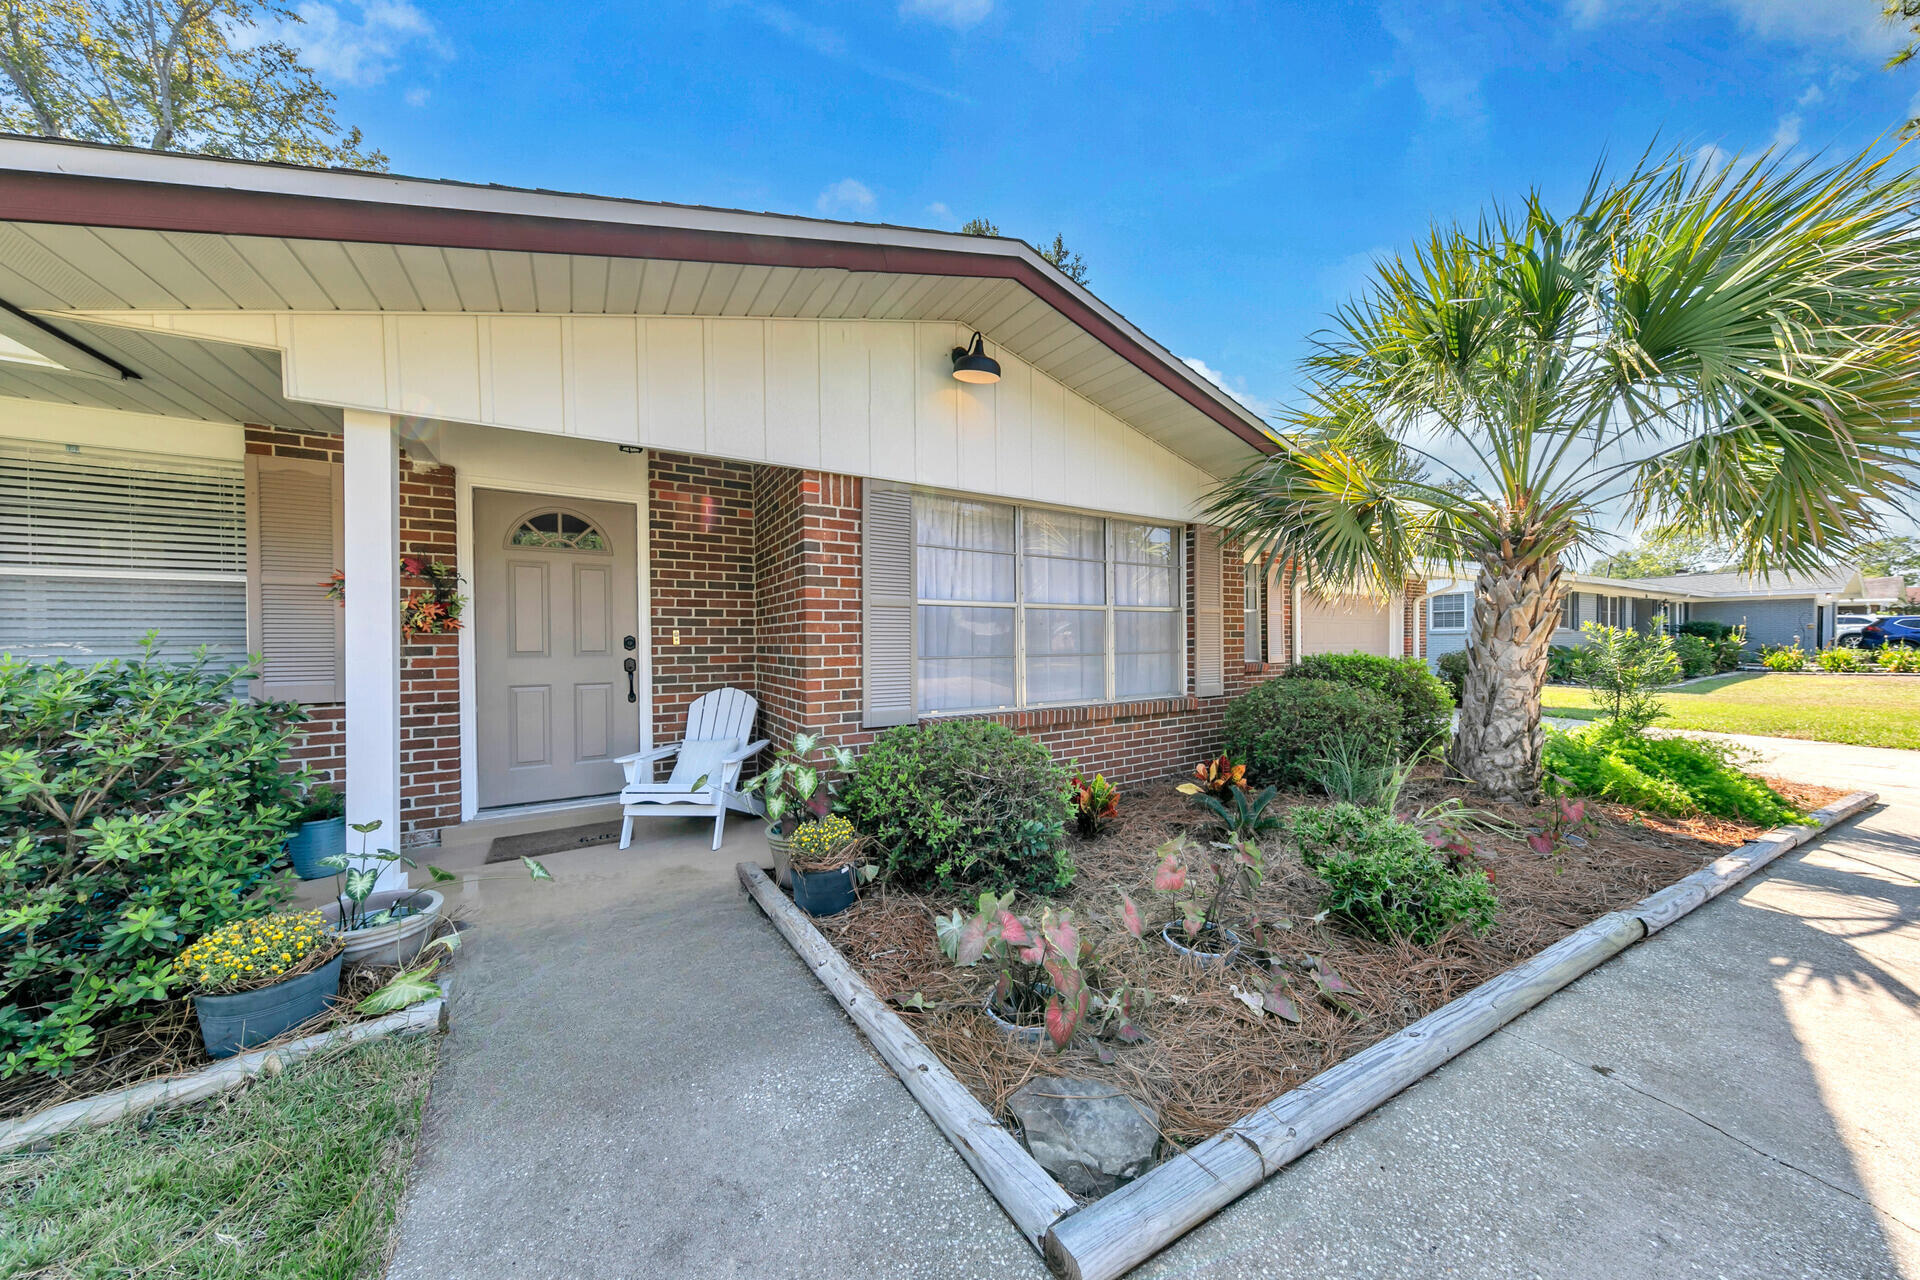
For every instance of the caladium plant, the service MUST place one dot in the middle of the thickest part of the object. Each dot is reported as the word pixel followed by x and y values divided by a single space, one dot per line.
pixel 1237 867
pixel 801 781
pixel 1044 968
pixel 1561 819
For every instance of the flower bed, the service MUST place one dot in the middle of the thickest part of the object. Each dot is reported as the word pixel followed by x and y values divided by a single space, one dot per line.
pixel 1208 1054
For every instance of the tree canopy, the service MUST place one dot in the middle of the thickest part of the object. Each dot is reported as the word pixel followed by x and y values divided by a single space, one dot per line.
pixel 1071 264
pixel 206 76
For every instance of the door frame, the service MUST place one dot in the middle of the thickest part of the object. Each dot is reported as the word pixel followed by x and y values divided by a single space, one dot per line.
pixel 466 545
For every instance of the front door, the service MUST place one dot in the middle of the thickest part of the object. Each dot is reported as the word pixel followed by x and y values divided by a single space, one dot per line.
pixel 556 630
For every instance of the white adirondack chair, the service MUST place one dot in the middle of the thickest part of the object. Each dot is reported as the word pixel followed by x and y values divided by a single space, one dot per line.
pixel 706 766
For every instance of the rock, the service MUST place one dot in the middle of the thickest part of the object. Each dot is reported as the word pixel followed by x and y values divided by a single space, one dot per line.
pixel 1090 1136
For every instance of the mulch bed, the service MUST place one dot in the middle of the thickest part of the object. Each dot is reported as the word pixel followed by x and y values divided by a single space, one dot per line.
pixel 1208 1059
pixel 167 1043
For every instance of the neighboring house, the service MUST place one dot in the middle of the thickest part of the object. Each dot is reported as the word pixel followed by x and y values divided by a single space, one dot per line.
pixel 667 449
pixel 1774 609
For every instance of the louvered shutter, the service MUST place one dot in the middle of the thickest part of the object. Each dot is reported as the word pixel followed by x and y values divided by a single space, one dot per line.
pixel 294 543
pixel 98 547
pixel 1279 638
pixel 1209 625
pixel 887 656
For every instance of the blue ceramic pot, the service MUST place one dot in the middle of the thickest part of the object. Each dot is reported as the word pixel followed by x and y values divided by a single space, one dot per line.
pixel 313 841
pixel 231 1023
pixel 823 893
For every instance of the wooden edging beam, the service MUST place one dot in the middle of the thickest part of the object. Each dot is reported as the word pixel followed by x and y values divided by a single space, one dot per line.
pixel 1026 1191
pixel 231 1073
pixel 1113 1235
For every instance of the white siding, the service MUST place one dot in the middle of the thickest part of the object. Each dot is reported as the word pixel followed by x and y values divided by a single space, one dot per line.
pixel 868 397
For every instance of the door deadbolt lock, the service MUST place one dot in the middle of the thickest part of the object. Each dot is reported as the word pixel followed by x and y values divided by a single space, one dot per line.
pixel 629 644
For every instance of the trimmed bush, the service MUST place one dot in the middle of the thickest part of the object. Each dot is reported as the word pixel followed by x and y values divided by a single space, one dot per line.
pixel 1706 630
pixel 1675 776
pixel 1384 879
pixel 1283 727
pixel 963 805
pixel 1453 673
pixel 142 807
pixel 1426 707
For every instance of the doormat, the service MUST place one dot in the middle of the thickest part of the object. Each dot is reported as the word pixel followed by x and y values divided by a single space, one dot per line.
pixel 537 844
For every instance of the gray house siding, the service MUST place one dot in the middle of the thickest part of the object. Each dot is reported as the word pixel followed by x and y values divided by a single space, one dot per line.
pixel 1766 621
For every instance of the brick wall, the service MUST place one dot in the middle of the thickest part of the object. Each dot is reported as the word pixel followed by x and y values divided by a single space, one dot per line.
pixel 700 530
pixel 429 665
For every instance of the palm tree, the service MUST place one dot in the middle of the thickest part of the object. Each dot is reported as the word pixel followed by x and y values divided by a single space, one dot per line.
pixel 1728 352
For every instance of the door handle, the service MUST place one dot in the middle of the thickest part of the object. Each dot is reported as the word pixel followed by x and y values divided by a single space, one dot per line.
pixel 631 665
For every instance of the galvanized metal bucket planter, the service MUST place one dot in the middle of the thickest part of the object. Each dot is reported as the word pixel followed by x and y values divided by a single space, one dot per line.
pixel 239 1021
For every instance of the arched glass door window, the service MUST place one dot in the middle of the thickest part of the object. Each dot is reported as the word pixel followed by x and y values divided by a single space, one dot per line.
pixel 559 531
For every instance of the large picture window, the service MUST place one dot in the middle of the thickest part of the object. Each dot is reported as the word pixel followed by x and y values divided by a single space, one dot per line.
pixel 1032 607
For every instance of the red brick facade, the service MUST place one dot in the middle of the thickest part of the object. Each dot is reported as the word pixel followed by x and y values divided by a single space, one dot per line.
pixel 429 665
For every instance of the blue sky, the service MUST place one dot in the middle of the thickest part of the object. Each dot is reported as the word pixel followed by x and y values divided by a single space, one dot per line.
pixel 1227 170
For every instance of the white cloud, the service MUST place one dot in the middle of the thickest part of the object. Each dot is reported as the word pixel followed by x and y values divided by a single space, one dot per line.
pixel 1812 95
pixel 417 96
pixel 1713 158
pixel 1786 135
pixel 958 14
pixel 940 213
pixel 845 198
pixel 1259 405
pixel 1813 22
pixel 363 49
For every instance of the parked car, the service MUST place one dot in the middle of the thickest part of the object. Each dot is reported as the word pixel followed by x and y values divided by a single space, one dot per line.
pixel 1903 630
pixel 1848 626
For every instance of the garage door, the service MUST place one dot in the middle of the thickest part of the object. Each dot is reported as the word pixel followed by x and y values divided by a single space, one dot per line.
pixel 1343 624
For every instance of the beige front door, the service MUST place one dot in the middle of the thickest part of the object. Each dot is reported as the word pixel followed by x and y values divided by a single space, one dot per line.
pixel 556 621
pixel 1344 624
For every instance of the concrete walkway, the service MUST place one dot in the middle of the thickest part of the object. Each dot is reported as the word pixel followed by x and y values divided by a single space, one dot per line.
pixel 643 1081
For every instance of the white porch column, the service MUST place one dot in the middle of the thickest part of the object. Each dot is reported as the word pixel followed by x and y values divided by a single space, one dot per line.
pixel 371 479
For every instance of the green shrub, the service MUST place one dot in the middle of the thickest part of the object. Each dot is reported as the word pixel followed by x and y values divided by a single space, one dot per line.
pixel 1730 650
pixel 142 806
pixel 1282 728
pixel 1894 657
pixel 963 804
pixel 1839 659
pixel 1624 668
pixel 1783 657
pixel 1708 631
pixel 1695 655
pixel 1563 663
pixel 1383 877
pixel 1426 707
pixel 1453 673
pixel 1676 776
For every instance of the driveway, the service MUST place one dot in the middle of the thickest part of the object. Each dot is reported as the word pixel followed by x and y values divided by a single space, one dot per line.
pixel 643 1081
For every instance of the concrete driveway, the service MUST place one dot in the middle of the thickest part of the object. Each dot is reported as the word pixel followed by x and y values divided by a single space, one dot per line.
pixel 643 1081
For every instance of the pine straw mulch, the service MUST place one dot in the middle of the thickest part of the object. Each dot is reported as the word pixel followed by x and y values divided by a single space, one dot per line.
pixel 167 1042
pixel 1208 1060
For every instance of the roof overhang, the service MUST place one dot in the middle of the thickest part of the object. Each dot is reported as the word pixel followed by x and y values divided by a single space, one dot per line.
pixel 163 213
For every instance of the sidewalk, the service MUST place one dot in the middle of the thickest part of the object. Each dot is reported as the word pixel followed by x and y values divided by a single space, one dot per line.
pixel 644 1081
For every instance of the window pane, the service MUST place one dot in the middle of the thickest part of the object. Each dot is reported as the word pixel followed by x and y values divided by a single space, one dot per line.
pixel 965 550
pixel 1144 652
pixel 966 658
pixel 1066 655
pixel 1142 564
pixel 1449 612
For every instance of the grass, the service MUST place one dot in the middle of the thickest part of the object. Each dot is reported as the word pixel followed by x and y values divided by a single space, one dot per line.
pixel 1863 711
pixel 294 1178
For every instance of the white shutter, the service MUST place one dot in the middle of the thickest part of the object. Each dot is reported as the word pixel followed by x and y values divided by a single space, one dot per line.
pixel 1279 639
pixel 99 547
pixel 887 656
pixel 1209 625
pixel 293 546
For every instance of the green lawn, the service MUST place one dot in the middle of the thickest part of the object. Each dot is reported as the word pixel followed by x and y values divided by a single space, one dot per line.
pixel 294 1178
pixel 1866 711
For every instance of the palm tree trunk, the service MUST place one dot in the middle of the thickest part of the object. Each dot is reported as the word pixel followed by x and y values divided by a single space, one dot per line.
pixel 1516 607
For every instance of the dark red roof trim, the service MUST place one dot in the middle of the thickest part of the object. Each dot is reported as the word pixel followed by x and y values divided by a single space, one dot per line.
pixel 152 206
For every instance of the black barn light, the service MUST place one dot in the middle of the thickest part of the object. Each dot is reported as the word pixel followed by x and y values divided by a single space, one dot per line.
pixel 973 364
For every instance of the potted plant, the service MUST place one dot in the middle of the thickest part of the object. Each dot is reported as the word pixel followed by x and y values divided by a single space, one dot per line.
pixel 1237 867
pixel 1043 985
pixel 387 927
pixel 798 784
pixel 826 874
pixel 320 832
pixel 255 979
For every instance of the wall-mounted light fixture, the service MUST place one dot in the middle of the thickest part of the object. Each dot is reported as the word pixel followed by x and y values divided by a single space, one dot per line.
pixel 972 363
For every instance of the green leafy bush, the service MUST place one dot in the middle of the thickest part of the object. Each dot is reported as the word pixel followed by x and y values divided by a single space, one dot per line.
pixel 1695 655
pixel 1453 673
pixel 1384 878
pixel 1283 728
pixel 1894 657
pixel 963 803
pixel 1708 631
pixel 1839 659
pixel 1730 650
pixel 1676 776
pixel 142 807
pixel 1426 708
pixel 1783 657
pixel 1624 668
pixel 1563 663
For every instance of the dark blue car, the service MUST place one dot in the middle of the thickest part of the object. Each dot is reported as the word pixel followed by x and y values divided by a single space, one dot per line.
pixel 1902 630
